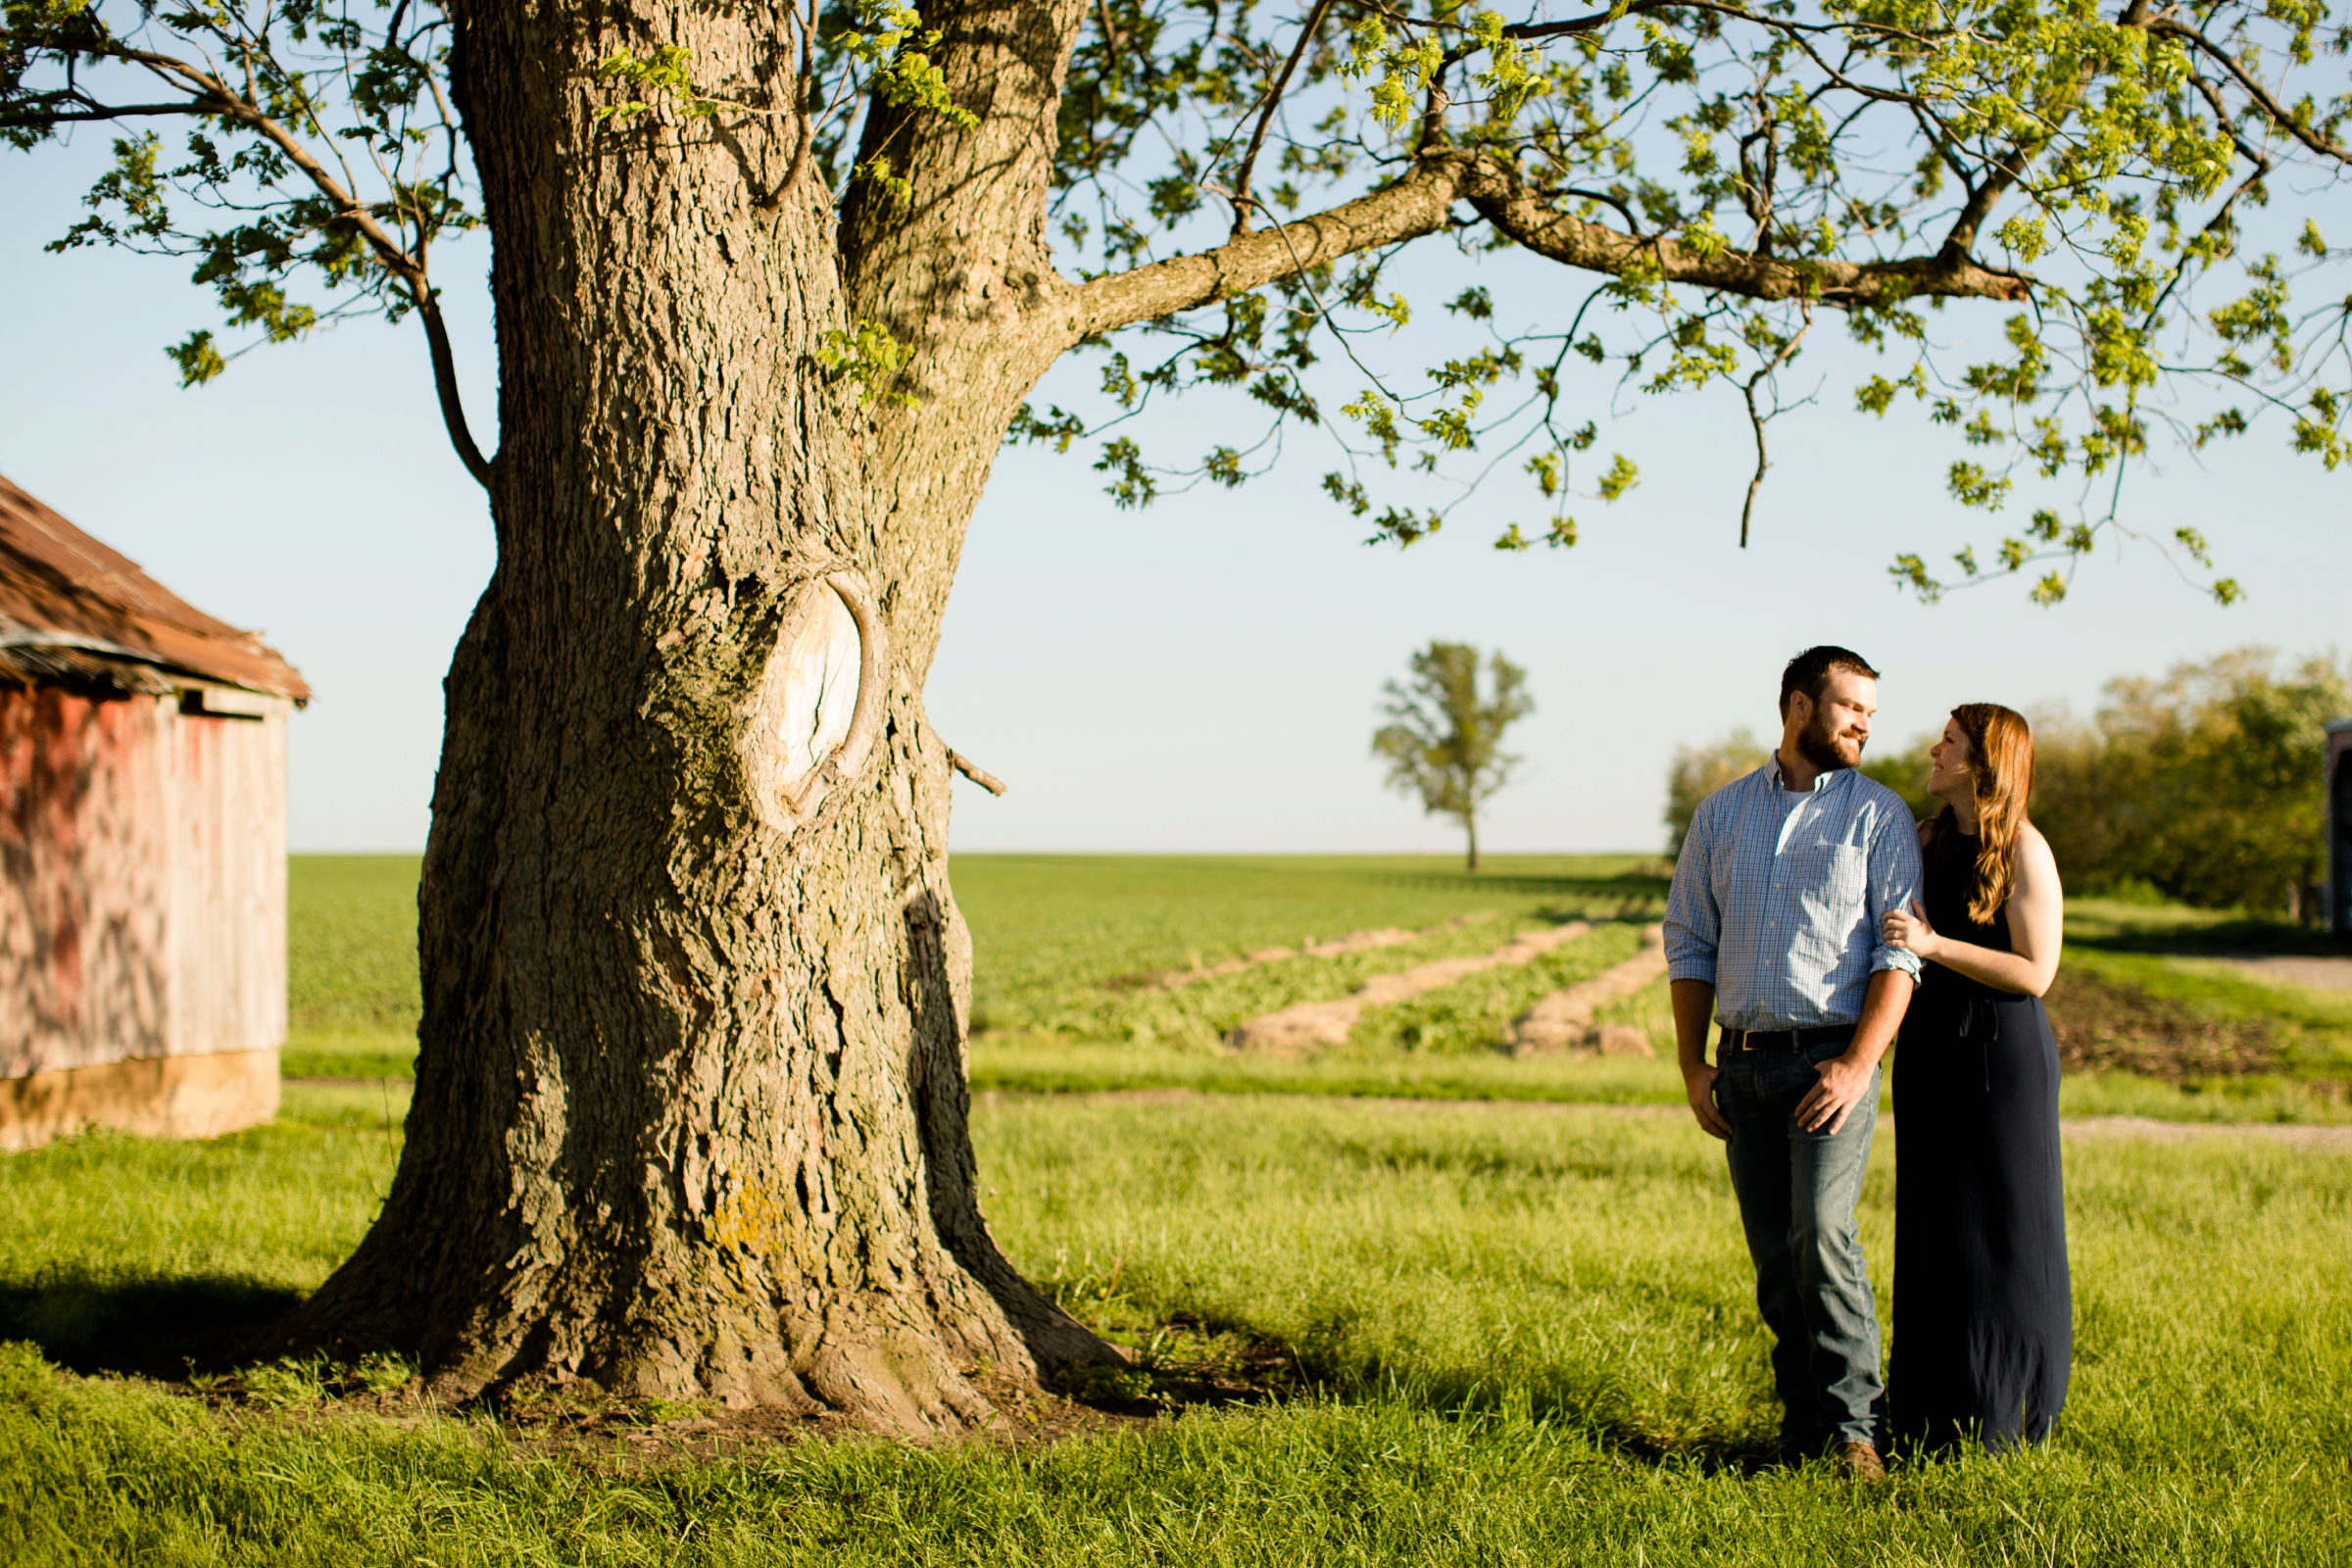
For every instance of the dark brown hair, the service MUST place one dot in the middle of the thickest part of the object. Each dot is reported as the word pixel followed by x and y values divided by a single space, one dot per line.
pixel 2000 764
pixel 1810 672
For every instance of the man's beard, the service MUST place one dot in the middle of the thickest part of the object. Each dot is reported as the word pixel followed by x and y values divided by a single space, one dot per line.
pixel 1816 743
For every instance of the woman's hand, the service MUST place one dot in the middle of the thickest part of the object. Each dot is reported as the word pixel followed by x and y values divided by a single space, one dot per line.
pixel 1909 928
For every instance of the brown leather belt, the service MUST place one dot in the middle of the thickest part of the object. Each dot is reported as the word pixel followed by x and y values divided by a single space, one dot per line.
pixel 1787 1040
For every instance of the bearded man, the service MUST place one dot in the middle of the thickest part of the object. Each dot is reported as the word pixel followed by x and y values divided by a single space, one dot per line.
pixel 1773 929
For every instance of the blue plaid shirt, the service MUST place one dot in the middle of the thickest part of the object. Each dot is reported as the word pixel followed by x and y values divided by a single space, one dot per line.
pixel 1778 897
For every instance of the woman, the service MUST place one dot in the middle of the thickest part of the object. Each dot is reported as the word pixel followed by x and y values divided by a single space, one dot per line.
pixel 1984 1315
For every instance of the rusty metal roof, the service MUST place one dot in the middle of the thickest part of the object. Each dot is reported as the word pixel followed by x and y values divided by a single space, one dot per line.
pixel 72 609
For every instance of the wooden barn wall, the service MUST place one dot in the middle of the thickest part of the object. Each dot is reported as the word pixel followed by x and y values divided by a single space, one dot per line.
pixel 142 880
pixel 228 870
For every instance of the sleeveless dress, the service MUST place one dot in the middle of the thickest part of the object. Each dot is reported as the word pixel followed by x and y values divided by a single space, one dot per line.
pixel 1983 1318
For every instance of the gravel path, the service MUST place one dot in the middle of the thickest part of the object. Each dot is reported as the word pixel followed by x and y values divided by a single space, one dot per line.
pixel 2294 1134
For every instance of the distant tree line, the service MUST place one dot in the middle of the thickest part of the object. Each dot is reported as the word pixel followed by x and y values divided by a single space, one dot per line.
pixel 2203 785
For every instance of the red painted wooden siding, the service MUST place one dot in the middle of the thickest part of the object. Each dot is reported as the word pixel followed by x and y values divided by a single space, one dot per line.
pixel 142 880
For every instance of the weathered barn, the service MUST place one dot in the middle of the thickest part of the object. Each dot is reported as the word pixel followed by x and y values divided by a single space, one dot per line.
pixel 142 846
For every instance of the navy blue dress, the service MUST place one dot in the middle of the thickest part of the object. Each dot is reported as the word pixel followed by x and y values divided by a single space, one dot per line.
pixel 1984 1311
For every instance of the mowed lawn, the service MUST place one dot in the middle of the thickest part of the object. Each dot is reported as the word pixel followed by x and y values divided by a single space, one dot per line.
pixel 1517 1334
pixel 1503 1332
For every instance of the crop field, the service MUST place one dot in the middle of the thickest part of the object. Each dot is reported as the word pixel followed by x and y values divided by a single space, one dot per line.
pixel 352 993
pixel 1072 952
pixel 1372 1323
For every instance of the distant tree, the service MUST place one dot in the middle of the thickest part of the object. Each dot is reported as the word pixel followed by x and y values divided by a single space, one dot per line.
pixel 1443 742
pixel 1906 773
pixel 1698 772
pixel 2205 785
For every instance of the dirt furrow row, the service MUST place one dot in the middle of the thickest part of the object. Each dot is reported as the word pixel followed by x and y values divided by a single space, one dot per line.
pixel 1387 936
pixel 1562 1023
pixel 1311 1026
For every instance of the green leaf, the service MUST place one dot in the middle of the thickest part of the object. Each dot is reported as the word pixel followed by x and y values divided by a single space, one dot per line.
pixel 199 361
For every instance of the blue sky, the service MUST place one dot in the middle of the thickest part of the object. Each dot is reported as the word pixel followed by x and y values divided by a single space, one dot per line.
pixel 1198 675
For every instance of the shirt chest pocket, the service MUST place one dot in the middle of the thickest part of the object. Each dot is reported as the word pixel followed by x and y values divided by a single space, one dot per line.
pixel 1832 884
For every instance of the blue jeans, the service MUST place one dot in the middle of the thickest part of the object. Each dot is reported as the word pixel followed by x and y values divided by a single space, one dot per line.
pixel 1797 1195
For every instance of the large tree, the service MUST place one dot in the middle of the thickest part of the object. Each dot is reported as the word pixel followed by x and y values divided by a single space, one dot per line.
pixel 772 288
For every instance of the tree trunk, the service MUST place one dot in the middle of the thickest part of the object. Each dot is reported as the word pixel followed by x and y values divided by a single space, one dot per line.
pixel 1470 829
pixel 690 1116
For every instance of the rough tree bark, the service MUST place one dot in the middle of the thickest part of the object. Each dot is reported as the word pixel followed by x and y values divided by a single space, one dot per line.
pixel 690 1116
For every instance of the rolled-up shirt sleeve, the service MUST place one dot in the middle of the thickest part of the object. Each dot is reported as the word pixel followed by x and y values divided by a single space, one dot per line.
pixel 1895 881
pixel 1693 924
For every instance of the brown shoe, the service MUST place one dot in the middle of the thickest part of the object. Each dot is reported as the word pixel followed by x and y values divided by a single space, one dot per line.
pixel 1860 1461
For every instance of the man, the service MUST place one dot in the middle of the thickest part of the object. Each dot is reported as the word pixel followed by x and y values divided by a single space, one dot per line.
pixel 1773 929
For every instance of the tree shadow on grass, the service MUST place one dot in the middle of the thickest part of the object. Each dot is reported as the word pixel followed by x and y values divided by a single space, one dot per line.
pixel 159 1326
pixel 2251 935
pixel 2248 939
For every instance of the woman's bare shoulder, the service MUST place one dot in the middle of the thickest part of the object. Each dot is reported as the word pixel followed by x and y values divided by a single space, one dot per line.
pixel 2032 849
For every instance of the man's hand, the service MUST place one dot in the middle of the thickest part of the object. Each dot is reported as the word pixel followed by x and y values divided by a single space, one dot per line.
pixel 1844 1080
pixel 1693 1006
pixel 1698 1083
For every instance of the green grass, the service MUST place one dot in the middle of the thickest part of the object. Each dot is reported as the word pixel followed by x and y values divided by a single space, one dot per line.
pixel 2165 953
pixel 1046 1066
pixel 1473 1016
pixel 2159 927
pixel 1516 1332
pixel 1523 1334
pixel 107 1239
pixel 1054 934
pixel 352 993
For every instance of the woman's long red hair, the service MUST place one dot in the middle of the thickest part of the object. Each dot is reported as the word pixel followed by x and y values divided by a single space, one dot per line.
pixel 2000 747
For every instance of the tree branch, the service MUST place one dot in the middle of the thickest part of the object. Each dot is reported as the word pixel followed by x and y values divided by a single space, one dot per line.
pixel 2270 106
pixel 974 771
pixel 1257 137
pixel 1502 196
pixel 445 385
pixel 1756 418
pixel 1415 204
pixel 91 110
pixel 1595 21
pixel 210 95
pixel 1114 43
pixel 1419 204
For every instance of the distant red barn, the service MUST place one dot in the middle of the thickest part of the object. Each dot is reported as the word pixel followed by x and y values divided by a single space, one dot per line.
pixel 142 846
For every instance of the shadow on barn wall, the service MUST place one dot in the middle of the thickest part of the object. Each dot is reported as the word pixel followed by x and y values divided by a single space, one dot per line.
pixel 142 846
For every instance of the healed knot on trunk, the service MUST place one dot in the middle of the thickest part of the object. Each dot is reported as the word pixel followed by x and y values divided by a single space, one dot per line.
pixel 818 710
